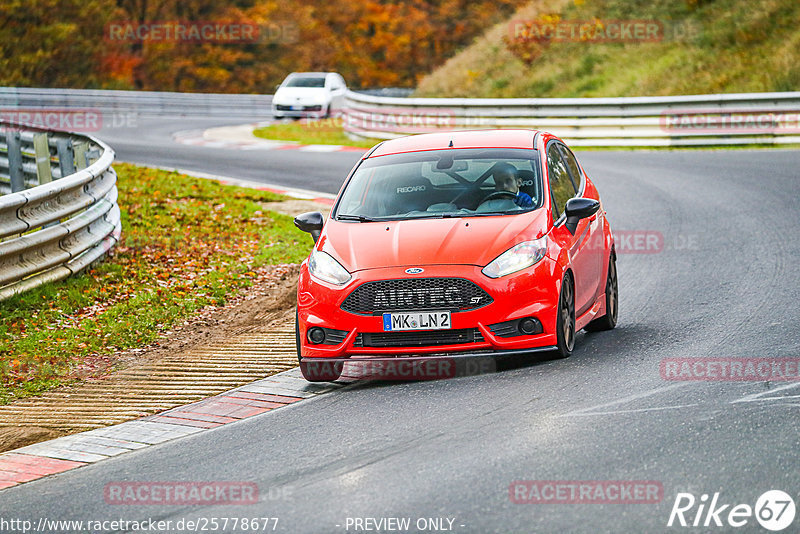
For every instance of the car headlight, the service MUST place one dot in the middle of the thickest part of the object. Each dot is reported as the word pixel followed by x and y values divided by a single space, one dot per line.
pixel 324 267
pixel 517 258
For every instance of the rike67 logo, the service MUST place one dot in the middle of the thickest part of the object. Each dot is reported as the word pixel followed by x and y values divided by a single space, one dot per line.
pixel 774 510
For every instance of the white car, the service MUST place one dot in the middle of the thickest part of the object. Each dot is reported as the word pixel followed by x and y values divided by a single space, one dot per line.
pixel 309 94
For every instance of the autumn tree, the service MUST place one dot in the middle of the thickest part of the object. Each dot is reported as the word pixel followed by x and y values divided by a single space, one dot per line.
pixel 66 43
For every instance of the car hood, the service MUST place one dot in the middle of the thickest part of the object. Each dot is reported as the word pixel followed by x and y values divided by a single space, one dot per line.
pixel 463 241
pixel 303 94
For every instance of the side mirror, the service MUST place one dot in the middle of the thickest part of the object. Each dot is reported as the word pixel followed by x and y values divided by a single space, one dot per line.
pixel 310 222
pixel 579 208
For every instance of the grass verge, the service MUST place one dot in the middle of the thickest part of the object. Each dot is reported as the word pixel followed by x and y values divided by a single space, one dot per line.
pixel 186 243
pixel 312 132
pixel 296 131
pixel 753 146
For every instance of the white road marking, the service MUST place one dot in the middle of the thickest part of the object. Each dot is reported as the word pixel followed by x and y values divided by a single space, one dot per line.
pixel 753 397
pixel 629 398
pixel 637 410
pixel 756 397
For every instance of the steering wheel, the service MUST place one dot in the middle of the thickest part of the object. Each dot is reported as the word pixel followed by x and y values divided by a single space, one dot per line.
pixel 498 194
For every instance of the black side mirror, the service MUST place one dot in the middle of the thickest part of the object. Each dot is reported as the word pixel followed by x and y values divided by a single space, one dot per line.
pixel 310 222
pixel 579 208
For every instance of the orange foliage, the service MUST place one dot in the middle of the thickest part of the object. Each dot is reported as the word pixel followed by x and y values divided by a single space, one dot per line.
pixel 372 43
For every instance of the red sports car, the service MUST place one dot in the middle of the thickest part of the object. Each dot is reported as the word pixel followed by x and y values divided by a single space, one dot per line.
pixel 486 242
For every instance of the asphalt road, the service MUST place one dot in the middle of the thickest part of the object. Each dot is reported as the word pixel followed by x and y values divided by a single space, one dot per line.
pixel 725 284
pixel 149 140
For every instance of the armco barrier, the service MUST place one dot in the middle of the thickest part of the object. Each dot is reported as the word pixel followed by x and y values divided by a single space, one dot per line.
pixel 695 120
pixel 58 209
pixel 110 102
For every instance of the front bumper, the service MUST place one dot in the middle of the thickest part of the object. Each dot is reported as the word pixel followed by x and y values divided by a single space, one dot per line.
pixel 532 292
pixel 299 111
pixel 430 367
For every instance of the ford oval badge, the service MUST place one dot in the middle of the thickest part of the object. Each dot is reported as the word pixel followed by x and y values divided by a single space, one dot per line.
pixel 414 270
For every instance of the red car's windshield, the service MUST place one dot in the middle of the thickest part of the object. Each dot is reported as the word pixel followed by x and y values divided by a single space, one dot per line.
pixel 443 183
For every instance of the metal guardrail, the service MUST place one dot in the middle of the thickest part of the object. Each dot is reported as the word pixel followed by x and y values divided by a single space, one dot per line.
pixel 396 92
pixel 13 99
pixel 696 120
pixel 60 213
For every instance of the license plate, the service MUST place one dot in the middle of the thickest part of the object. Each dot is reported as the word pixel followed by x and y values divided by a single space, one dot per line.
pixel 297 108
pixel 433 320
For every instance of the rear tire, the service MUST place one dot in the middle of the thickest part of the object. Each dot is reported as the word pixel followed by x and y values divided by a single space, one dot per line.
pixel 609 320
pixel 565 322
pixel 316 371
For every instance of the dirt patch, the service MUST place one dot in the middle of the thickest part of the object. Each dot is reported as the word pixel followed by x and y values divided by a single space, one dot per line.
pixel 15 437
pixel 271 296
pixel 273 292
pixel 101 382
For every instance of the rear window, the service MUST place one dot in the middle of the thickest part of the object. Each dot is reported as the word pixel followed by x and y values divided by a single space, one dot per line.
pixel 443 183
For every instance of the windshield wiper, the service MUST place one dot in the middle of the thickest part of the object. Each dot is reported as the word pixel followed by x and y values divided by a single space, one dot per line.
pixel 359 218
pixel 484 213
pixel 451 215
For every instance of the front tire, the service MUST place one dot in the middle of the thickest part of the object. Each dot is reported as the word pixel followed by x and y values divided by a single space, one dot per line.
pixel 565 322
pixel 609 320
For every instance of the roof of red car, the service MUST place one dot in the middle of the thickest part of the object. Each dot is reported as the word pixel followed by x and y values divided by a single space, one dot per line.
pixel 460 139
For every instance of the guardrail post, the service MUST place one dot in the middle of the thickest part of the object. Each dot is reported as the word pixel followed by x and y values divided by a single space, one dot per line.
pixel 80 149
pixel 15 161
pixel 54 230
pixel 92 155
pixel 66 158
pixel 42 150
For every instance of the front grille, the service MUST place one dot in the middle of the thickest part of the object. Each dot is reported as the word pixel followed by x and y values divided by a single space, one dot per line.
pixel 419 339
pixel 454 294
pixel 281 107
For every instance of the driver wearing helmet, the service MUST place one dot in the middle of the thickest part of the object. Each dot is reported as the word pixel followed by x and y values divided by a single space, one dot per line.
pixel 505 179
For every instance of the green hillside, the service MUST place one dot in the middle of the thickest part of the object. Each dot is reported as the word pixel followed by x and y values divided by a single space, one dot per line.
pixel 702 46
